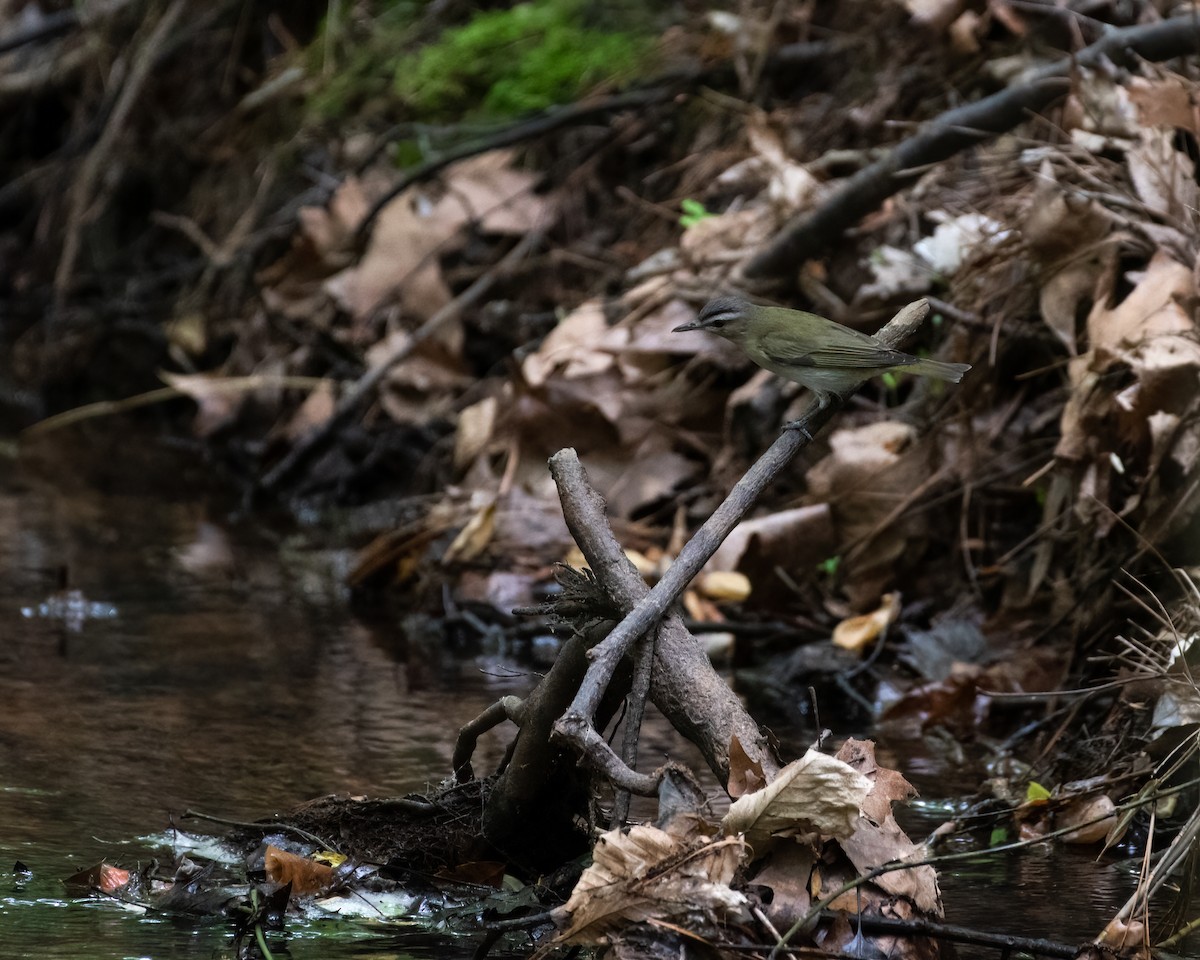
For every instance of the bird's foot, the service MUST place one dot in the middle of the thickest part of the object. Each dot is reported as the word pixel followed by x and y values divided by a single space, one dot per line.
pixel 820 403
pixel 802 426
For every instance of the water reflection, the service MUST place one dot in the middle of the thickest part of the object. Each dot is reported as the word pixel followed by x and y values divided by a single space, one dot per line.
pixel 229 681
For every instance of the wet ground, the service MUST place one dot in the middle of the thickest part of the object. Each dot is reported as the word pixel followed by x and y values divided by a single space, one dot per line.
pixel 209 663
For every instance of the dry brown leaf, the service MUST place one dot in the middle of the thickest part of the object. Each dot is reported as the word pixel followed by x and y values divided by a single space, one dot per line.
pixel 745 775
pixel 316 410
pixel 401 260
pixel 646 477
pixel 218 404
pixel 723 586
pixel 306 876
pixel 487 191
pixel 714 238
pixel 1126 936
pixel 868 472
pixel 935 14
pixel 1164 177
pixel 1169 101
pixel 787 871
pixel 571 348
pixel 330 230
pixel 792 540
pixel 816 794
pixel 647 874
pixel 888 786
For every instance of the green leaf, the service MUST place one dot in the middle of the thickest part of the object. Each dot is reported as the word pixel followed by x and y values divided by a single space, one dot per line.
pixel 693 212
pixel 998 837
pixel 1035 791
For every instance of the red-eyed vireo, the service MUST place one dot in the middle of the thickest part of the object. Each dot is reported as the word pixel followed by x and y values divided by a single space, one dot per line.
pixel 820 354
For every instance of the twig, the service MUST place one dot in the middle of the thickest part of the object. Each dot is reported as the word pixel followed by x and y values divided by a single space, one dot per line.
pixel 263 827
pixel 519 132
pixel 638 692
pixel 83 188
pixel 918 926
pixel 958 129
pixel 51 25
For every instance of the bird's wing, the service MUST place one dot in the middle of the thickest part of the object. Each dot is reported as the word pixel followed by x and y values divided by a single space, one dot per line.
pixel 843 347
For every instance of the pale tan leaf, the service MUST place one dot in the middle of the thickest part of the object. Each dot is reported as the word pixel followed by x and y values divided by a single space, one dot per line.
pixel 572 348
pixel 856 633
pixel 1082 812
pixel 475 426
pixel 816 794
pixel 473 538
pixel 486 190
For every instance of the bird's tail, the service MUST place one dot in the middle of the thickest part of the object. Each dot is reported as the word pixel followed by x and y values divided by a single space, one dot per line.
pixel 950 372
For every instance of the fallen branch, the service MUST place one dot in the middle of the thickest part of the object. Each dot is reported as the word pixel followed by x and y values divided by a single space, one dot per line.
pixel 683 684
pixel 958 129
pixel 611 566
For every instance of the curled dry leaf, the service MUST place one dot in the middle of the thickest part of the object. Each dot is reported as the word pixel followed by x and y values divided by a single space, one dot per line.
pixel 218 404
pixel 1167 101
pixel 869 470
pixel 474 538
pixel 745 775
pixel 877 838
pixel 794 541
pixel 649 875
pixel 572 348
pixel 816 794
pixel 1095 816
pixel 856 633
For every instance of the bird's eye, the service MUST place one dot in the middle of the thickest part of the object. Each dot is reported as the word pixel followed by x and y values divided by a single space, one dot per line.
pixel 718 321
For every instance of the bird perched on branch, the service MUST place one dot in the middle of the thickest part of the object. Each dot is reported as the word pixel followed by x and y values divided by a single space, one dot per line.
pixel 824 356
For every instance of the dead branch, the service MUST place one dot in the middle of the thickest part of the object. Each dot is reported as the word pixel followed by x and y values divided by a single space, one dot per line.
pixel 675 663
pixel 958 129
pixel 683 684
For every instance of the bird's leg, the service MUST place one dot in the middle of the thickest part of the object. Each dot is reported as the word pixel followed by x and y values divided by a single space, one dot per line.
pixel 821 403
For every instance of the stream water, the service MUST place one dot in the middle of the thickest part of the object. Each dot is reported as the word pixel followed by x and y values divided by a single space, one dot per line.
pixel 206 665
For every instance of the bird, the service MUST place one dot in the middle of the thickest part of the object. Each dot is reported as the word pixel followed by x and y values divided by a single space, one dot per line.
pixel 823 355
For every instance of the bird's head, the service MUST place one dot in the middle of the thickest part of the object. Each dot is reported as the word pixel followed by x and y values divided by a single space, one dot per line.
pixel 727 316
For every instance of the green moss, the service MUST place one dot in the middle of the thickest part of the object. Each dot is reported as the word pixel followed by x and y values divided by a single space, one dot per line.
pixel 509 62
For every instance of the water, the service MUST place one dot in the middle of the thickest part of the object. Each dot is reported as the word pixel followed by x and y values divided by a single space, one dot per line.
pixel 222 679
pixel 208 666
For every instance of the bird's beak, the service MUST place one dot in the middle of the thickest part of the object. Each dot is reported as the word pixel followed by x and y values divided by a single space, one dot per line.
pixel 690 325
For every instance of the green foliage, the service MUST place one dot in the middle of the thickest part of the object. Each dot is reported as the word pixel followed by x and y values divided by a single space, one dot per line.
pixel 829 566
pixel 693 212
pixel 515 61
